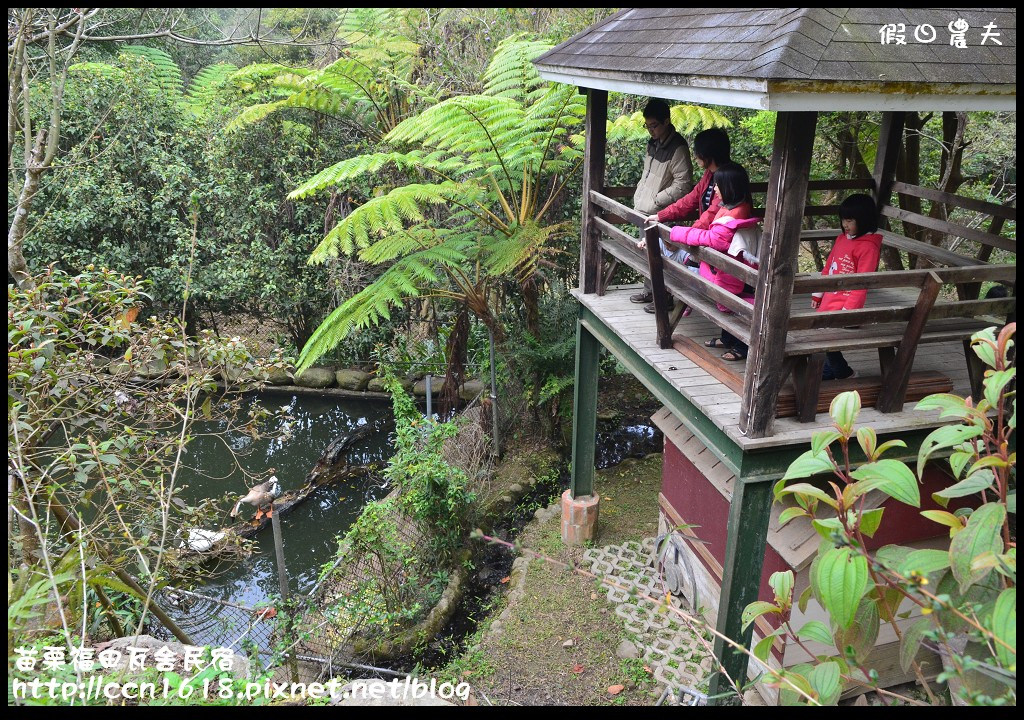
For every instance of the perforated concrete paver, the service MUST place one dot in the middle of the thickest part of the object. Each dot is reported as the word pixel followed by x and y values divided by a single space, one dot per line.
pixel 678 657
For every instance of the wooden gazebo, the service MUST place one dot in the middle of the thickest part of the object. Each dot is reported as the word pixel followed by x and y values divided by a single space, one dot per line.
pixel 798 62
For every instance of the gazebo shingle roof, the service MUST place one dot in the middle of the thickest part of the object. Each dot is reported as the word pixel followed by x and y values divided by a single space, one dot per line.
pixel 775 52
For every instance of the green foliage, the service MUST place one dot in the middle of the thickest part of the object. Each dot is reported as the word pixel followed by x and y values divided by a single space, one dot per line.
pixel 493 164
pixel 967 589
pixel 99 407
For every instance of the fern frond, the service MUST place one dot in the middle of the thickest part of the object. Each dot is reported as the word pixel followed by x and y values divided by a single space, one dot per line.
pixel 386 214
pixel 208 82
pixel 686 118
pixel 361 165
pixel 404 279
pixel 167 73
pixel 511 72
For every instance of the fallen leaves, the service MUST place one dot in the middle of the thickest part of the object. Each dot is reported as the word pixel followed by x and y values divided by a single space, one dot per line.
pixel 506 579
pixel 578 669
pixel 616 689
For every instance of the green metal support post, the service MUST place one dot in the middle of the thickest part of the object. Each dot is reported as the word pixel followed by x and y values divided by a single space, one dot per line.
pixel 741 579
pixel 584 412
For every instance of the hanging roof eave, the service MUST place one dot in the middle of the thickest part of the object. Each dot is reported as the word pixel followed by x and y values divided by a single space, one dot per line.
pixel 792 95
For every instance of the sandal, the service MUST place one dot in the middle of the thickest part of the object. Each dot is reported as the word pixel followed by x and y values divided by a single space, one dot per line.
pixel 715 343
pixel 733 356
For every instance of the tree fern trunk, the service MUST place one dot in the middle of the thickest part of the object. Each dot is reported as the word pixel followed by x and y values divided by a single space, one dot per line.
pixel 455 373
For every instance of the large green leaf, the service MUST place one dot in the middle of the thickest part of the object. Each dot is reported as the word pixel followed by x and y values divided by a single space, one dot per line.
pixel 756 609
pixel 807 465
pixel 817 631
pixel 782 584
pixel 982 534
pixel 925 562
pixel 844 410
pixel 870 520
pixel 971 485
pixel 944 437
pixel 812 491
pixel 827 682
pixel 1003 625
pixel 891 477
pixel 842 580
pixel 861 635
pixel 910 643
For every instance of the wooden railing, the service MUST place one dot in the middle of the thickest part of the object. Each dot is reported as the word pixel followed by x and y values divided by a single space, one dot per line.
pixel 894 330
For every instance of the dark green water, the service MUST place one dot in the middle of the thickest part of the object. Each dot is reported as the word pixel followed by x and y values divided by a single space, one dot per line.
pixel 310 529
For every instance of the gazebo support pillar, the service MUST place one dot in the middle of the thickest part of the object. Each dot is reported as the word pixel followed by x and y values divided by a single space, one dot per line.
pixel 584 411
pixel 593 179
pixel 783 220
pixel 749 512
pixel 890 136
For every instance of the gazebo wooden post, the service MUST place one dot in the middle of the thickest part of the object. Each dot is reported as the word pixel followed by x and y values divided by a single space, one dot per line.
pixel 890 137
pixel 749 512
pixel 784 209
pixel 588 348
pixel 584 412
pixel 593 179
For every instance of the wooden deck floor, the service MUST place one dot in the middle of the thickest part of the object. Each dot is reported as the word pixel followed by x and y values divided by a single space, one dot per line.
pixel 719 403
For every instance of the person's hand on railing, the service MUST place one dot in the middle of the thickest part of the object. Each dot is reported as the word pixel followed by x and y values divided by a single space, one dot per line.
pixel 642 244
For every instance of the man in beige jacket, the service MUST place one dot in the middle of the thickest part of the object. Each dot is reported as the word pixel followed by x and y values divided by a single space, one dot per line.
pixel 667 175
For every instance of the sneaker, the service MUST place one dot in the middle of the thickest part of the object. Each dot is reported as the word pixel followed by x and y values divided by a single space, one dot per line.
pixel 642 297
pixel 649 307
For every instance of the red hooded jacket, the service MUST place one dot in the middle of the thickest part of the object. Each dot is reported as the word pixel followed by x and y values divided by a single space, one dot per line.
pixel 689 205
pixel 856 255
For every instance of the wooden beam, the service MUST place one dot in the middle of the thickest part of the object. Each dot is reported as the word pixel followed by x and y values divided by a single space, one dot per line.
pixel 787 192
pixel 949 228
pixel 972 291
pixel 890 137
pixel 593 179
pixel 811 320
pixel 661 301
pixel 832 184
pixel 894 384
pixel 741 574
pixel 1006 212
pixel 807 384
pixel 584 411
pixel 807 283
pixel 916 247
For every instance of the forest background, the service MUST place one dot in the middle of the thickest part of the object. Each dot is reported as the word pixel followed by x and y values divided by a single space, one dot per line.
pixel 178 155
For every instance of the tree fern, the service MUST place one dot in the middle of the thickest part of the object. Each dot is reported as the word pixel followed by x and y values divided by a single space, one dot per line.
pixel 487 167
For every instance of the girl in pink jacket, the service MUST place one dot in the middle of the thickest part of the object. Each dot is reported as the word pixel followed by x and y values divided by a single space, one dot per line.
pixel 734 215
pixel 856 250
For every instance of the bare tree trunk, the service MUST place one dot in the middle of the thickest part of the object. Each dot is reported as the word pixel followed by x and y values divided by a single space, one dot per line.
pixel 16 265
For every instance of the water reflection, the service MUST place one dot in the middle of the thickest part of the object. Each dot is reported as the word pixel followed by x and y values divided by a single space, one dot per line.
pixel 292 447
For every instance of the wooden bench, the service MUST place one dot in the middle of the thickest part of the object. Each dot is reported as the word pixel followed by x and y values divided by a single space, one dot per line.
pixel 894 331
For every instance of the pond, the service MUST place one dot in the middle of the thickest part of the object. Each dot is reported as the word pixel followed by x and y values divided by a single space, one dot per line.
pixel 310 530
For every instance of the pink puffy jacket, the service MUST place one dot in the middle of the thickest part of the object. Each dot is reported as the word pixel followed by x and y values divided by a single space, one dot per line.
pixel 718 237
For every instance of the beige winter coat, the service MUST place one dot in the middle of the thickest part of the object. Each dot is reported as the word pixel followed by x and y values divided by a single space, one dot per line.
pixel 667 174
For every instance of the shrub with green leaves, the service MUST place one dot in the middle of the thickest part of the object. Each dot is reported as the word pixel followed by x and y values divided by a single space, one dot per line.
pixel 966 594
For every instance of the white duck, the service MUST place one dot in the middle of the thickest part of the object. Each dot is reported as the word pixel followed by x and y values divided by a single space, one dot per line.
pixel 199 540
pixel 260 496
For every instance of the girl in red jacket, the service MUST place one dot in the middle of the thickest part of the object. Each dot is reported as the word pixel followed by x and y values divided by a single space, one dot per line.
pixel 856 250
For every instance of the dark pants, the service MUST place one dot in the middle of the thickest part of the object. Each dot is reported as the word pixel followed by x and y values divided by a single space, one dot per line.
pixel 835 362
pixel 734 343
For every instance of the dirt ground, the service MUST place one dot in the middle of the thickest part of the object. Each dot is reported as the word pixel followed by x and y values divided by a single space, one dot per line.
pixel 558 644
